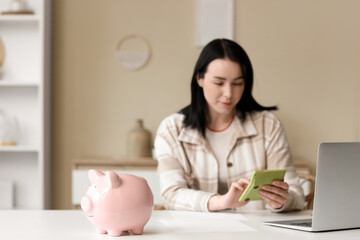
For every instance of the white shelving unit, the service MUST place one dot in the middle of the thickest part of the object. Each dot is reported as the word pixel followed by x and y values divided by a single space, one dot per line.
pixel 25 94
pixel 18 84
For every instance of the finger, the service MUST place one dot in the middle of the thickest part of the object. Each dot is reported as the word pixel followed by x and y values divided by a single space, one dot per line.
pixel 273 204
pixel 272 197
pixel 281 184
pixel 244 181
pixel 240 204
pixel 276 190
pixel 237 186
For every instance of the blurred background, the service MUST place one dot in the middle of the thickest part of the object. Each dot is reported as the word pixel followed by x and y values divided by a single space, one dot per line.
pixel 305 55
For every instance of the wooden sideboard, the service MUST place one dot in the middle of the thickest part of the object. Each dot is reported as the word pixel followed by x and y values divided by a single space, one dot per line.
pixel 113 163
pixel 144 167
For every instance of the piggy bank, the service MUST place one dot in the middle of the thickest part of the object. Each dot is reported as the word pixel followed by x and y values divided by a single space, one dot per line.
pixel 117 202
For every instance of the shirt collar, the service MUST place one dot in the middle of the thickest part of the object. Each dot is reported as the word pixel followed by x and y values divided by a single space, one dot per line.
pixel 242 130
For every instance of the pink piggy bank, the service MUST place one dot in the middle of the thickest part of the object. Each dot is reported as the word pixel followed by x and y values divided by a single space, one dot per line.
pixel 116 203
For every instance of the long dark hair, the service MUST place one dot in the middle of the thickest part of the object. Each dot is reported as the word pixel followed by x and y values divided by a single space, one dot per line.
pixel 220 49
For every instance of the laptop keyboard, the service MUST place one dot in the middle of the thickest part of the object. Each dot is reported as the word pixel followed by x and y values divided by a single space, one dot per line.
pixel 307 223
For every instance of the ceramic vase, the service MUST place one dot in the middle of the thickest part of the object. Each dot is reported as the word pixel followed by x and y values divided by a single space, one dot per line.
pixel 139 141
pixel 9 130
pixel 18 6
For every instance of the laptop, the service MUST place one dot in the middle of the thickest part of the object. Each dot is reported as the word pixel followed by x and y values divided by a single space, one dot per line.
pixel 337 190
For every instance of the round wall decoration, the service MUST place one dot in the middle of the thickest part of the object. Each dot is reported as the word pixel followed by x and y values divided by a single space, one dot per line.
pixel 133 52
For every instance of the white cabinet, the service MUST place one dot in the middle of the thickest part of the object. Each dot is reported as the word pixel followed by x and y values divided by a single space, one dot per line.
pixel 25 94
pixel 142 167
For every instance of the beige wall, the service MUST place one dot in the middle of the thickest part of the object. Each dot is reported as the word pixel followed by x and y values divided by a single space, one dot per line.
pixel 306 57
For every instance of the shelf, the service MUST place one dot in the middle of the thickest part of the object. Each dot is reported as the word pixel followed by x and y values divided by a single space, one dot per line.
pixel 19 18
pixel 18 84
pixel 25 93
pixel 20 149
pixel 124 162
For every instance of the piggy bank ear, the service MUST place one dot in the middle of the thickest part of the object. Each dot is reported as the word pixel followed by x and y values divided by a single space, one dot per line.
pixel 94 175
pixel 113 180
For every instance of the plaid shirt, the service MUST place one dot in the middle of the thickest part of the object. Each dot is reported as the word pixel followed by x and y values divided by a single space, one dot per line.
pixel 188 171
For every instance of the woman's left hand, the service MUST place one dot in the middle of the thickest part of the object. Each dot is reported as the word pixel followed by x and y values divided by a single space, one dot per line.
pixel 276 194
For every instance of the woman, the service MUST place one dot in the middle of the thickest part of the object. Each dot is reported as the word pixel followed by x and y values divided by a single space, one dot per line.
pixel 208 151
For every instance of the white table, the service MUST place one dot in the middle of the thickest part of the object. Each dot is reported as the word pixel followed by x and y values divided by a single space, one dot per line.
pixel 73 224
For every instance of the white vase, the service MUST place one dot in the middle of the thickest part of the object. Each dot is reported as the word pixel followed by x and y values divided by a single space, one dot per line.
pixel 18 6
pixel 9 130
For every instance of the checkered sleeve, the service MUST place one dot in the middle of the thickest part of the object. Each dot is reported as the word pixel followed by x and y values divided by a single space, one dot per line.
pixel 279 157
pixel 172 171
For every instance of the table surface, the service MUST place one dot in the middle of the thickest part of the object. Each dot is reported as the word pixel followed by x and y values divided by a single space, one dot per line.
pixel 73 224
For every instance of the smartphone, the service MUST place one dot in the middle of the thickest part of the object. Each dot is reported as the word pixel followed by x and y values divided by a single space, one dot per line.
pixel 258 180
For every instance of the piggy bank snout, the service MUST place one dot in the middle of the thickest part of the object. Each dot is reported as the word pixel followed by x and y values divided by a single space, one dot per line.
pixel 87 205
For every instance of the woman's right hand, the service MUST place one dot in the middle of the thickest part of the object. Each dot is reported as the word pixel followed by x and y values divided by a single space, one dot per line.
pixel 231 198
